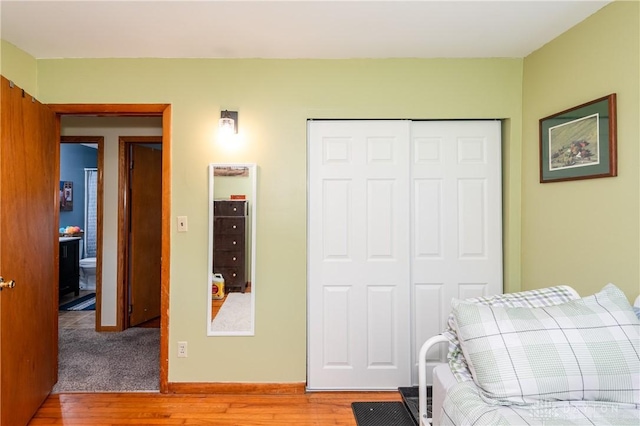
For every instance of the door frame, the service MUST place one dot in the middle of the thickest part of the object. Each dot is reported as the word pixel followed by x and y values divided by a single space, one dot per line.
pixel 99 140
pixel 143 110
pixel 124 208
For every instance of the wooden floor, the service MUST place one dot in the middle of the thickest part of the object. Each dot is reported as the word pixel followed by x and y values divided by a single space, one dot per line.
pixel 318 409
pixel 92 409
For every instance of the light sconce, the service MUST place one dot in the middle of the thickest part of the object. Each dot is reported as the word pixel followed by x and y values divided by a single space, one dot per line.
pixel 228 124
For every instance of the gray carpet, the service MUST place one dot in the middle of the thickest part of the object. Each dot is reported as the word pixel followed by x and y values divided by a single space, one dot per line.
pixel 108 362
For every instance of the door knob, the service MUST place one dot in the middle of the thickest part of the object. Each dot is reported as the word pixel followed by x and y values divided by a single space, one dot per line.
pixel 6 284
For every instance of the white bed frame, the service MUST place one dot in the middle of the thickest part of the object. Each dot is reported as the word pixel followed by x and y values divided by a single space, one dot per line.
pixel 437 392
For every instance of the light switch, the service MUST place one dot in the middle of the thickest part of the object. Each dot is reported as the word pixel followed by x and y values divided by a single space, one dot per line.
pixel 182 224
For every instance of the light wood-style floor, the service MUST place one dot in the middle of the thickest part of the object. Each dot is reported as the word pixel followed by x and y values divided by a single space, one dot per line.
pixel 76 319
pixel 93 409
pixel 317 409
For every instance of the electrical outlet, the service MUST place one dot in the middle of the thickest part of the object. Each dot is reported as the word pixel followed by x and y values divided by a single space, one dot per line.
pixel 182 349
pixel 182 224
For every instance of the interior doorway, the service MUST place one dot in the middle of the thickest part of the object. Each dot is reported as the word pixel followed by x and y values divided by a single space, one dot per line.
pixel 142 110
pixel 78 153
pixel 84 354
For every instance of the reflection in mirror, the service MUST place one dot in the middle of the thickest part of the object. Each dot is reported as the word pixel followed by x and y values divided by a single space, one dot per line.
pixel 231 286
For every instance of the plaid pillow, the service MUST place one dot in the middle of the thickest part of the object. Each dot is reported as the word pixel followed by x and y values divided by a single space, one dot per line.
pixel 536 298
pixel 586 349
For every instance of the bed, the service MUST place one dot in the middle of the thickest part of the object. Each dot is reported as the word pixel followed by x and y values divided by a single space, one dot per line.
pixel 539 357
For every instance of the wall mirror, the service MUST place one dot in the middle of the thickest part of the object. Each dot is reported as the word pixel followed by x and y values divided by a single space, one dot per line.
pixel 232 242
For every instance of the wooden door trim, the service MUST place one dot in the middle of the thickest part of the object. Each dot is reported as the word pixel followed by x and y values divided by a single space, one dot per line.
pixel 99 140
pixel 148 110
pixel 111 110
pixel 124 206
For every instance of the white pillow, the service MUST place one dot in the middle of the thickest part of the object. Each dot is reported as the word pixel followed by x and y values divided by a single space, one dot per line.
pixel 586 349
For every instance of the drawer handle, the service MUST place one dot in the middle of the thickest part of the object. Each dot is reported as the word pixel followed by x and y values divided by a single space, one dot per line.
pixel 235 209
pixel 234 226
pixel 235 258
pixel 234 243
pixel 234 274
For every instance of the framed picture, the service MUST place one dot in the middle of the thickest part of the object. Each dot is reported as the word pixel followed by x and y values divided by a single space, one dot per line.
pixel 579 143
pixel 66 196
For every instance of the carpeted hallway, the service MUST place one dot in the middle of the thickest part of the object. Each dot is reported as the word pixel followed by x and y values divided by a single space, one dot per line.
pixel 88 361
pixel 108 362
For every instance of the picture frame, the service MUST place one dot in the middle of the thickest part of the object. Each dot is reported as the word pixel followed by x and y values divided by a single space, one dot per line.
pixel 66 196
pixel 580 142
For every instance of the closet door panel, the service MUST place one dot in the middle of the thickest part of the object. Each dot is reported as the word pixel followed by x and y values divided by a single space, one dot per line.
pixel 381 327
pixel 472 218
pixel 336 349
pixel 469 290
pixel 358 239
pixel 427 198
pixel 457 223
pixel 336 195
pixel 429 304
pixel 380 219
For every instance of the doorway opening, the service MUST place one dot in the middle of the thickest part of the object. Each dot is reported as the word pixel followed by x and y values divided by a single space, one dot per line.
pixel 82 162
pixel 140 110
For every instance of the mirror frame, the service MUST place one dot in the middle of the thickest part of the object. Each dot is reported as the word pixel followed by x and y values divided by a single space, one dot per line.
pixel 253 172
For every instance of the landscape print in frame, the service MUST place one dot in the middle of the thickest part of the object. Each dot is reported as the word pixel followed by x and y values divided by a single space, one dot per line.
pixel 579 143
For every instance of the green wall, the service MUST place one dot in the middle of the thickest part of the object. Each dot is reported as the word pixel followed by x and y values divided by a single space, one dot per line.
pixel 584 233
pixel 274 99
pixel 19 67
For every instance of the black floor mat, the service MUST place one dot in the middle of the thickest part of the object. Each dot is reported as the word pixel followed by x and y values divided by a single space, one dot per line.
pixel 381 414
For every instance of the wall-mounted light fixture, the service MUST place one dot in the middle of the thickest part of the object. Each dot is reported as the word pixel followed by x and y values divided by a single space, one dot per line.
pixel 228 124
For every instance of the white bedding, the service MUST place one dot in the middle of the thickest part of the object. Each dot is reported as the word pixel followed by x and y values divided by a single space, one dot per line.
pixel 464 405
pixel 458 402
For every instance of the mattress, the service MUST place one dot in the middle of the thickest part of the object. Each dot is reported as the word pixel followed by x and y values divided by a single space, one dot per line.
pixel 443 380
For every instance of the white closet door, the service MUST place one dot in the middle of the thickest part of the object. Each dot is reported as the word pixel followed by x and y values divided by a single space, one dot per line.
pixel 403 216
pixel 456 222
pixel 358 251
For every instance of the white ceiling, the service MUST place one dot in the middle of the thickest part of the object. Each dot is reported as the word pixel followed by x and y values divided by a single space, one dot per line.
pixel 287 29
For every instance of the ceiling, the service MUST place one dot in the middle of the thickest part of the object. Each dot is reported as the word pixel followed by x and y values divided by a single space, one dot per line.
pixel 287 29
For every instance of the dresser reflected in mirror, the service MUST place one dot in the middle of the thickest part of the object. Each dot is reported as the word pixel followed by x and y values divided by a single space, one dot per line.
pixel 231 286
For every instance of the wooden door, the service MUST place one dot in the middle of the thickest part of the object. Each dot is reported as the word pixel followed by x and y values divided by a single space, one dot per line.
pixel 359 255
pixel 28 254
pixel 145 233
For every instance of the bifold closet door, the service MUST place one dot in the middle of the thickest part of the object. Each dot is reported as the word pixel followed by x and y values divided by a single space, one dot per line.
pixel 456 223
pixel 358 255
